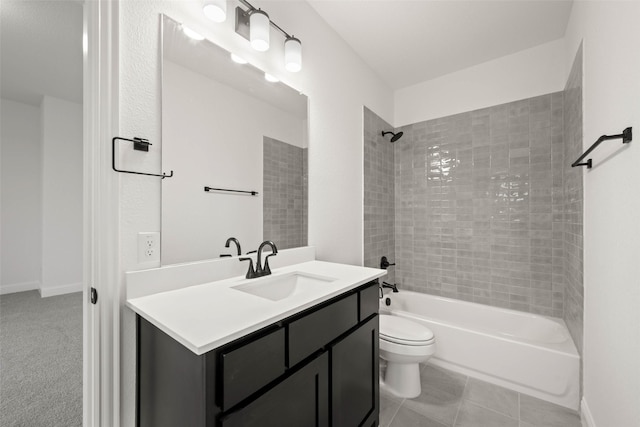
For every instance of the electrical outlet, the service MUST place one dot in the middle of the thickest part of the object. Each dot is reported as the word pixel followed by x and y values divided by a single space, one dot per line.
pixel 149 249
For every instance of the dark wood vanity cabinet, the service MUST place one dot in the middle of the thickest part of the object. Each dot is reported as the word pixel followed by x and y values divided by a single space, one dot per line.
pixel 355 377
pixel 318 368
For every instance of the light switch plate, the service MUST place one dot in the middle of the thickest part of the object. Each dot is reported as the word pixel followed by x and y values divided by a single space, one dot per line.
pixel 149 249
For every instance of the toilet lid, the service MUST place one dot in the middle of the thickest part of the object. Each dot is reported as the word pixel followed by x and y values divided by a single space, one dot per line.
pixel 404 331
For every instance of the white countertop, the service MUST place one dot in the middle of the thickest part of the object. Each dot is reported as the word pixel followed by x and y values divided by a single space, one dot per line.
pixel 204 317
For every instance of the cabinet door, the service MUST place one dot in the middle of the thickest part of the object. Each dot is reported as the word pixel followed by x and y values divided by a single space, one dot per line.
pixel 355 376
pixel 300 400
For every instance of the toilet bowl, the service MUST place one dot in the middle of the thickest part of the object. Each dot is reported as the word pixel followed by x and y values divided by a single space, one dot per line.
pixel 404 345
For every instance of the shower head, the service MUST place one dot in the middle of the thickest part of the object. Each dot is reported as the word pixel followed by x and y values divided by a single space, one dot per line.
pixel 395 137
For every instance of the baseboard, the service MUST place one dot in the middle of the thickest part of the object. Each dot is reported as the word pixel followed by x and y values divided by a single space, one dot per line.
pixel 52 291
pixel 19 287
pixel 585 414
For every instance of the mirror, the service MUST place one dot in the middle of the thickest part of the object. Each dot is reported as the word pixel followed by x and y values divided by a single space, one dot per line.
pixel 225 127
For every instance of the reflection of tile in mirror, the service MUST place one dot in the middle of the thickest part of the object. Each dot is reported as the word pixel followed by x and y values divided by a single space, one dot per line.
pixel 284 193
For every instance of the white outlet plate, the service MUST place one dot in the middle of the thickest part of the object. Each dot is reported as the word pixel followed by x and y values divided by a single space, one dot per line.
pixel 149 249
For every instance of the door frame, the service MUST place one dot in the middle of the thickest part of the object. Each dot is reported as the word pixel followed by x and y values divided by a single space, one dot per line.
pixel 100 215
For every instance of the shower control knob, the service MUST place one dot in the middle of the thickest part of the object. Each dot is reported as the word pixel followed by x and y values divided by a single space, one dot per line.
pixel 384 263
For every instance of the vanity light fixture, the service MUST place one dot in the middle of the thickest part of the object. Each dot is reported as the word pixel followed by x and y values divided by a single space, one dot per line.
pixel 216 10
pixel 259 30
pixel 271 78
pixel 238 59
pixel 254 25
pixel 292 54
pixel 192 34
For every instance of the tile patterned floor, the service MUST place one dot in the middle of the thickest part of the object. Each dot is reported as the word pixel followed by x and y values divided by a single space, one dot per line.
pixel 450 399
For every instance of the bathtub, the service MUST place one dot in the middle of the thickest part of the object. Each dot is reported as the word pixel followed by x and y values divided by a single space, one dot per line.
pixel 528 353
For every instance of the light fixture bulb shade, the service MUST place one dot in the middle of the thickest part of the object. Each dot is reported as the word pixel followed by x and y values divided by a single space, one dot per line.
pixel 259 30
pixel 292 54
pixel 216 10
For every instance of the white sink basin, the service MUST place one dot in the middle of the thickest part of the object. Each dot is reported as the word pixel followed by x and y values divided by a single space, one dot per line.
pixel 276 288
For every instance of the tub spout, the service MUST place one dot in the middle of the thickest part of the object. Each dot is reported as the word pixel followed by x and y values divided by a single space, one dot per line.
pixel 393 287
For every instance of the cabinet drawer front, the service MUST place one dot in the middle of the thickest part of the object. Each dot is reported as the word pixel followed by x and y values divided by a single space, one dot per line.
pixel 369 301
pixel 317 329
pixel 251 366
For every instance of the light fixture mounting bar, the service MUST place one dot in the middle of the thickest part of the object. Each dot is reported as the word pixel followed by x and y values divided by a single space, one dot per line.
pixel 242 23
pixel 246 19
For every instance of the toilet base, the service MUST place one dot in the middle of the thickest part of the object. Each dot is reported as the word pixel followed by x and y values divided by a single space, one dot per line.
pixel 403 379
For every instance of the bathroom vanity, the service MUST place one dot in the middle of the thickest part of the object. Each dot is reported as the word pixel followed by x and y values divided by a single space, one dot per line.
pixel 258 356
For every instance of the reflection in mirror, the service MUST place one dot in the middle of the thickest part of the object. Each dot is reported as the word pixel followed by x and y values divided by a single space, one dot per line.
pixel 225 127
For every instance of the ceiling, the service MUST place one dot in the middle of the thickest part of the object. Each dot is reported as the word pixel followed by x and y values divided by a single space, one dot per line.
pixel 410 41
pixel 404 41
pixel 41 46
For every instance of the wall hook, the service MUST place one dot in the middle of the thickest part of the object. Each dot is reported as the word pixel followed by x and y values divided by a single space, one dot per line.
pixel 139 144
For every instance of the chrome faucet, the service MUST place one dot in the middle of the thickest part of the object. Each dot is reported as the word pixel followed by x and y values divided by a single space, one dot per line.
pixel 234 240
pixel 260 270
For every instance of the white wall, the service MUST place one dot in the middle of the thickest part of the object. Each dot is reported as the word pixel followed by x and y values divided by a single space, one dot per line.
pixel 21 193
pixel 525 74
pixel 212 135
pixel 61 197
pixel 338 84
pixel 611 100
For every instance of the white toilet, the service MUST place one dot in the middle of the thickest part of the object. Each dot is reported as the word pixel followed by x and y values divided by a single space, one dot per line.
pixel 403 345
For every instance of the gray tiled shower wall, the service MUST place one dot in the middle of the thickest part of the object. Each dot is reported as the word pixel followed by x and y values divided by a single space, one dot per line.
pixel 284 194
pixel 573 202
pixel 379 232
pixel 480 205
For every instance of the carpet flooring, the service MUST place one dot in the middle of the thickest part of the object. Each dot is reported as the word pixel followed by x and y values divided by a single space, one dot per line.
pixel 40 360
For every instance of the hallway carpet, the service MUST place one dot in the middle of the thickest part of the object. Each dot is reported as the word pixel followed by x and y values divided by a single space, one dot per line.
pixel 40 360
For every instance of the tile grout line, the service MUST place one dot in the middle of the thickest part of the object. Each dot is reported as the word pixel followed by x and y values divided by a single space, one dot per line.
pixel 471 402
pixel 455 419
pixel 519 418
pixel 395 413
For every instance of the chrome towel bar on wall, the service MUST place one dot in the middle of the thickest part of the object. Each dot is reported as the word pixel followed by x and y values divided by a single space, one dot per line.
pixel 139 144
pixel 625 136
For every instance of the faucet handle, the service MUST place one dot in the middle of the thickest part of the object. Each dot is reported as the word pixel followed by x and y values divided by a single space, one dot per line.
pixel 251 272
pixel 384 263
